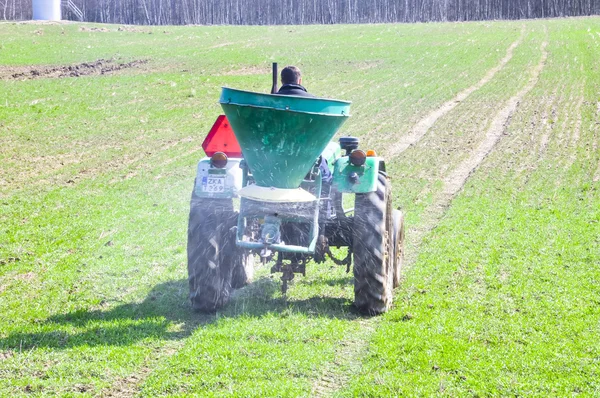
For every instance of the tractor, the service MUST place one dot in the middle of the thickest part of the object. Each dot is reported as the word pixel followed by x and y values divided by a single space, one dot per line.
pixel 267 152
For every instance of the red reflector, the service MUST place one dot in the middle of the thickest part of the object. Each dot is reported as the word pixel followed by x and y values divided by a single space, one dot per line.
pixel 221 139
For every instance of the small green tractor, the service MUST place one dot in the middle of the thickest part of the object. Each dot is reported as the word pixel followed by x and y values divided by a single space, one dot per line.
pixel 270 155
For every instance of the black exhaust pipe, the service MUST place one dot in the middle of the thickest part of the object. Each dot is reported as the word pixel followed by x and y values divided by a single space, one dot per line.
pixel 274 86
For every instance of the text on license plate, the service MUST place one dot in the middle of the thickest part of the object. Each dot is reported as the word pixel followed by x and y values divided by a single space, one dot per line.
pixel 213 184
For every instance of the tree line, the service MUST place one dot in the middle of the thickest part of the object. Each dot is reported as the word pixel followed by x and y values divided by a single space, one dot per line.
pixel 300 12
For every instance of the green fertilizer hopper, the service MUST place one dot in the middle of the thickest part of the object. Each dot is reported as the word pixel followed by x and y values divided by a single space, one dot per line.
pixel 281 136
pixel 290 183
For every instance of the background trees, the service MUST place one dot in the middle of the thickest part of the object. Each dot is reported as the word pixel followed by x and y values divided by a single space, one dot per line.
pixel 271 12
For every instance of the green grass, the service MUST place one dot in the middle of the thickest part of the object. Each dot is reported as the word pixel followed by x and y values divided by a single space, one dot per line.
pixel 501 297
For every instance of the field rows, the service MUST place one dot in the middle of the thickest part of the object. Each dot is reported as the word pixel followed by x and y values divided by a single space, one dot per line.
pixel 491 132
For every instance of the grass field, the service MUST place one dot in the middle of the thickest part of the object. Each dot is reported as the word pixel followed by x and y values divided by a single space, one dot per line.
pixel 491 132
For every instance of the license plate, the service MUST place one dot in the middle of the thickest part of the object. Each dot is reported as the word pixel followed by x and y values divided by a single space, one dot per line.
pixel 213 184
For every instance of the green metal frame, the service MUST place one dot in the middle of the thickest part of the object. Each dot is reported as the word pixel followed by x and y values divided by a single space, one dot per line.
pixel 332 153
pixel 367 175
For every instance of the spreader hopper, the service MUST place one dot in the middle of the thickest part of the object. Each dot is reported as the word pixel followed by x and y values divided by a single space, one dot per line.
pixel 282 136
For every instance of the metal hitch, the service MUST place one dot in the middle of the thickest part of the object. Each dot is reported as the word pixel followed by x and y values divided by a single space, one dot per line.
pixel 288 270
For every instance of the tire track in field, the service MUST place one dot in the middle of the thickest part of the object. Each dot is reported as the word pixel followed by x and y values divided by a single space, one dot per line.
pixel 346 360
pixel 454 182
pixel 595 142
pixel 576 133
pixel 132 384
pixel 548 121
pixel 538 124
pixel 348 355
pixel 421 128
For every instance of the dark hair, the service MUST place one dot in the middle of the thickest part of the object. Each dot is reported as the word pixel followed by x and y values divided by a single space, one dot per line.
pixel 290 75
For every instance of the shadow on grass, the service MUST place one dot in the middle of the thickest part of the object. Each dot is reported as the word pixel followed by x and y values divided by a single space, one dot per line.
pixel 261 297
pixel 165 314
pixel 347 280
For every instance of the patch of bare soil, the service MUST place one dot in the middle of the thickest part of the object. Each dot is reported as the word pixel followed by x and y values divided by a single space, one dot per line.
pixel 366 65
pixel 130 385
pixel 127 386
pixel 134 29
pixel 229 43
pixel 421 128
pixel 92 29
pixel 25 277
pixel 98 67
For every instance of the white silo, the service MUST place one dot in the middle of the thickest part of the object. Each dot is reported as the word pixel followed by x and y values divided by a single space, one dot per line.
pixel 46 10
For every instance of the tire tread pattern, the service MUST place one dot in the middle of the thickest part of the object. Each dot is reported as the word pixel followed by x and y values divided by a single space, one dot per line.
pixel 372 246
pixel 211 252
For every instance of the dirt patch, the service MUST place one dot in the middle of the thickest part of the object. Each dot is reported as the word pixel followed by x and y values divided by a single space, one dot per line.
pixel 9 260
pixel 597 173
pixel 127 386
pixel 25 277
pixel 133 29
pixel 92 29
pixel 130 385
pixel 366 65
pixel 98 67
pixel 229 43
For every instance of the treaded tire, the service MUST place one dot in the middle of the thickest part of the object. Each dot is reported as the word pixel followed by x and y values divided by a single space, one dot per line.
pixel 243 270
pixel 398 239
pixel 211 251
pixel 372 249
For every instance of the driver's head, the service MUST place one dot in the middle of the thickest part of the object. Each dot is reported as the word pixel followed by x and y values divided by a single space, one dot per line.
pixel 291 75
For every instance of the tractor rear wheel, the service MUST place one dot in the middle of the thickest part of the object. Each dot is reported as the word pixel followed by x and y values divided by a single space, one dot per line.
pixel 372 248
pixel 398 220
pixel 211 253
